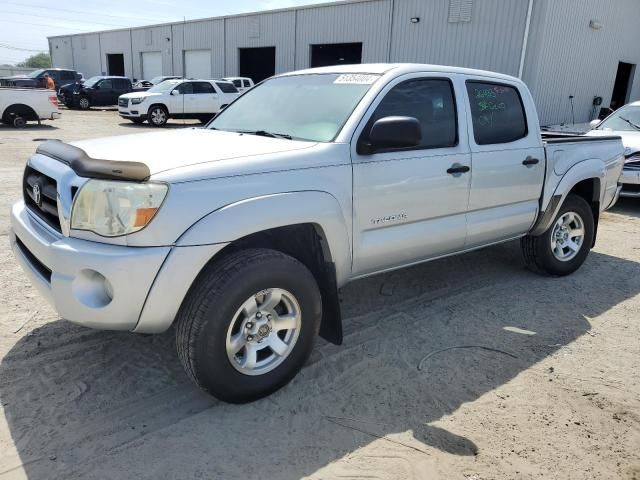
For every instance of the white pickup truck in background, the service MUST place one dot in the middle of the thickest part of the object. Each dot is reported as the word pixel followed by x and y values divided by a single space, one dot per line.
pixel 241 233
pixel 21 105
pixel 177 98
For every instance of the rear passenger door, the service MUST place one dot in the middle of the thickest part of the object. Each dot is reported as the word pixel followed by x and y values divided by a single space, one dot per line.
pixel 507 162
pixel 408 204
pixel 206 98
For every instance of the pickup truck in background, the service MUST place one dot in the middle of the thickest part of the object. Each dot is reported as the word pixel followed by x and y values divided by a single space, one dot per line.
pixel 21 105
pixel 35 79
pixel 241 233
pixel 177 98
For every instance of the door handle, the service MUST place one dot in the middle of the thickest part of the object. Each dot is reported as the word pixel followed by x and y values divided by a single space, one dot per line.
pixel 457 169
pixel 530 161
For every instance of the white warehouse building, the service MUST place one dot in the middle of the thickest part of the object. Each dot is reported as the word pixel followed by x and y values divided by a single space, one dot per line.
pixel 577 56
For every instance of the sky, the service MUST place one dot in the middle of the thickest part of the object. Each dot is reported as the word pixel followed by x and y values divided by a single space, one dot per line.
pixel 26 24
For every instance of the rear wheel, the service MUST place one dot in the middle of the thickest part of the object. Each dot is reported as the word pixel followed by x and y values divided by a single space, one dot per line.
pixel 18 122
pixel 563 248
pixel 158 116
pixel 248 324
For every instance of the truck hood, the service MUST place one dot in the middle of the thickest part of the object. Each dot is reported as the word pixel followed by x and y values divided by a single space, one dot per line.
pixel 168 150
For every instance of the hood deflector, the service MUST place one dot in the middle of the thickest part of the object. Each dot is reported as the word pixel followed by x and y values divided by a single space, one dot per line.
pixel 85 166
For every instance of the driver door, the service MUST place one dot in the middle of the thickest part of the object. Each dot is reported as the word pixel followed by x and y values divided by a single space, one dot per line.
pixel 177 102
pixel 409 205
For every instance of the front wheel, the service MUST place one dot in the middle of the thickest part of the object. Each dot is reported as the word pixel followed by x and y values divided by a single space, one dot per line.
pixel 84 103
pixel 158 116
pixel 564 247
pixel 248 324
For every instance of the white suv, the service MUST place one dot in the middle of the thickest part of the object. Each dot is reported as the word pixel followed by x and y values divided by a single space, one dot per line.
pixel 241 83
pixel 199 99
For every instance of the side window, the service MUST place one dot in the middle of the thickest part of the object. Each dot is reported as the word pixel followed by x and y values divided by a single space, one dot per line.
pixel 106 84
pixel 497 113
pixel 431 102
pixel 226 87
pixel 246 83
pixel 203 87
pixel 185 88
pixel 66 75
pixel 237 83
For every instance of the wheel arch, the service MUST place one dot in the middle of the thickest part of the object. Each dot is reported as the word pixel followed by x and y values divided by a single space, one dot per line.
pixel 19 109
pixel 308 226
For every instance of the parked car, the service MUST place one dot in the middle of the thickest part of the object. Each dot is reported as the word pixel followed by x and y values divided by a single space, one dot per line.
pixel 177 98
pixel 36 79
pixel 94 92
pixel 626 123
pixel 143 85
pixel 242 232
pixel 21 105
pixel 241 83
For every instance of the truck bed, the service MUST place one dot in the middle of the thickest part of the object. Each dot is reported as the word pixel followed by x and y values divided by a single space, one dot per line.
pixel 562 137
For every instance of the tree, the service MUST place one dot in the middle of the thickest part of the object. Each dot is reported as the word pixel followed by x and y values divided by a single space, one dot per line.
pixel 39 60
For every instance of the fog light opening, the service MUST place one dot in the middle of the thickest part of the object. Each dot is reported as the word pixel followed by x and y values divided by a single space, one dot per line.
pixel 92 289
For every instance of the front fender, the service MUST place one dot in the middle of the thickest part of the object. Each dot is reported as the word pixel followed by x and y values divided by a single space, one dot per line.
pixel 253 215
pixel 590 169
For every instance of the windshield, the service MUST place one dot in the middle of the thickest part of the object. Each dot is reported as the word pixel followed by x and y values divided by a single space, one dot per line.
pixel 625 119
pixel 164 86
pixel 91 82
pixel 36 73
pixel 306 107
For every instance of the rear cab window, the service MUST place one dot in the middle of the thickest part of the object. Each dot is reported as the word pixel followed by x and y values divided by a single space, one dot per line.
pixel 226 87
pixel 497 112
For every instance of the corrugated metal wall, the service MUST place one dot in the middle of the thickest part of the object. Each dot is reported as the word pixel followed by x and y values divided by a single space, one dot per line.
pixel 564 56
pixel 567 57
pixel 264 30
pixel 116 42
pixel 152 39
pixel 86 54
pixel 206 35
pixel 61 52
pixel 368 23
pixel 492 40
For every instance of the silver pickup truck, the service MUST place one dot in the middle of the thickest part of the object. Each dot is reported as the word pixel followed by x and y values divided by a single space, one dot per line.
pixel 242 232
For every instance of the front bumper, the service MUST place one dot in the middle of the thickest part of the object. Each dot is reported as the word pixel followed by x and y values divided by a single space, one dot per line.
pixel 132 112
pixel 93 284
pixel 630 180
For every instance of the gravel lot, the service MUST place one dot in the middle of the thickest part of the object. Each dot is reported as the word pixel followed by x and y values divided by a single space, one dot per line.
pixel 520 377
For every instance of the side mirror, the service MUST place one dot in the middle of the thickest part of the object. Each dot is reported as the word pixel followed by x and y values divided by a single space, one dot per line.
pixel 594 123
pixel 393 132
pixel 175 92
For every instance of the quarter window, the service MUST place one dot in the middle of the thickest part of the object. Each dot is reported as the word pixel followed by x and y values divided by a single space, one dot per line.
pixel 497 113
pixel 431 102
pixel 226 87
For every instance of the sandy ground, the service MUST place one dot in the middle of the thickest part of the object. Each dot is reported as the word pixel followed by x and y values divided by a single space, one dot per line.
pixel 520 376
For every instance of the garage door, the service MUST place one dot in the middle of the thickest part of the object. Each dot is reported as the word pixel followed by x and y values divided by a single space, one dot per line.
pixel 151 65
pixel 197 63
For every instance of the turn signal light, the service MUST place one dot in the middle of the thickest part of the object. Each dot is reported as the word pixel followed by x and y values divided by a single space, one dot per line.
pixel 144 216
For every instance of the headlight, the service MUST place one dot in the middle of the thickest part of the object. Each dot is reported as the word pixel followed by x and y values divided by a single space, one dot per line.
pixel 113 209
pixel 136 101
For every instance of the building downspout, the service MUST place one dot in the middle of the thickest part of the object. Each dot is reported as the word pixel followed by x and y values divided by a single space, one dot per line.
pixel 525 39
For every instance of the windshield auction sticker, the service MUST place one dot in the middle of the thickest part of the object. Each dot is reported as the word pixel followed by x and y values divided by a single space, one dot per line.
pixel 356 78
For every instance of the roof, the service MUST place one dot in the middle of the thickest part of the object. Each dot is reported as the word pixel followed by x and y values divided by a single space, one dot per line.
pixel 398 68
pixel 221 17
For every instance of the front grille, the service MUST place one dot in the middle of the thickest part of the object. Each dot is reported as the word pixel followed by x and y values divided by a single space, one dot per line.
pixel 36 184
pixel 631 188
pixel 632 162
pixel 123 102
pixel 37 264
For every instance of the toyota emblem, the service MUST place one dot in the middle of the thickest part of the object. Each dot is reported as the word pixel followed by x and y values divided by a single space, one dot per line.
pixel 37 196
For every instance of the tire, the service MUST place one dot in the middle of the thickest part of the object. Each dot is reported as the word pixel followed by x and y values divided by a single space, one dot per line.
pixel 18 122
pixel 137 120
pixel 213 319
pixel 158 116
pixel 557 251
pixel 84 103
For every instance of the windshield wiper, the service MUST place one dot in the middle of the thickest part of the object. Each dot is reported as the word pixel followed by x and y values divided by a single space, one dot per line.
pixel 264 133
pixel 634 125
